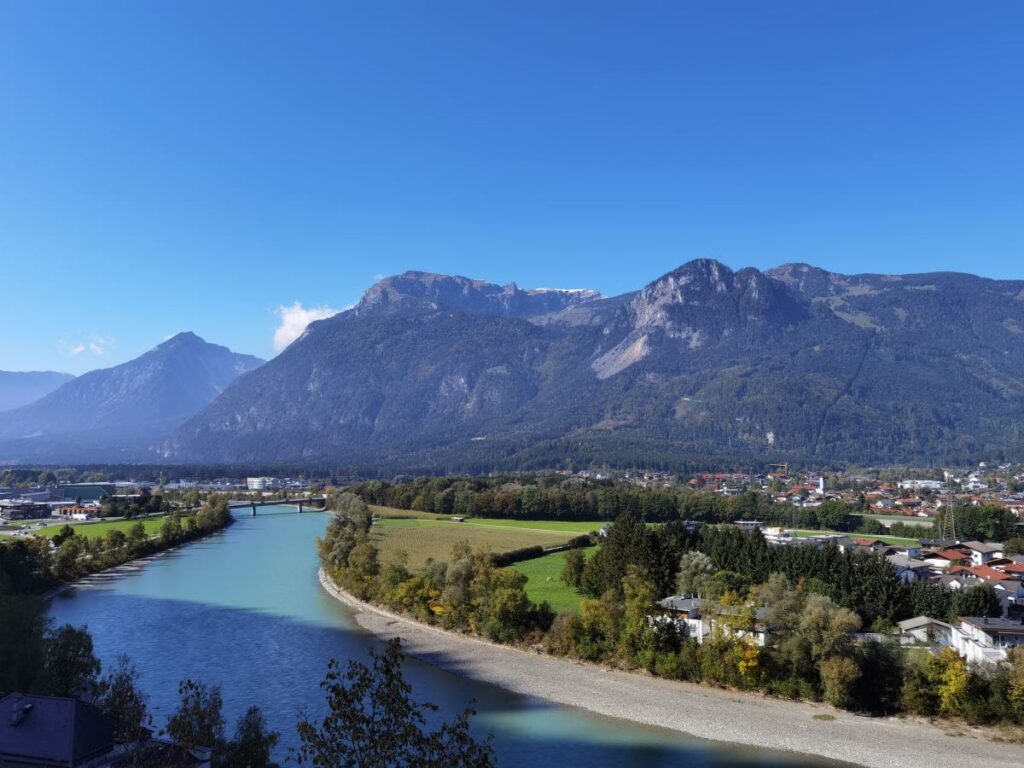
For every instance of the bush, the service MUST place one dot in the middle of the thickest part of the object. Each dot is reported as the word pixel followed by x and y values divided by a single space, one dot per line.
pixel 518 555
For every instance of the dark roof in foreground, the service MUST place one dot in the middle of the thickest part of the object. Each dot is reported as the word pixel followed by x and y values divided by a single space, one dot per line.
pixel 52 731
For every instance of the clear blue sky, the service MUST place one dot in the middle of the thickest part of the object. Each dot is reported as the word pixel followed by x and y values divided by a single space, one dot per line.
pixel 197 165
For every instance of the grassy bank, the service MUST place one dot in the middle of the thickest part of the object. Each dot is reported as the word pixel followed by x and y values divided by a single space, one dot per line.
pixel 434 538
pixel 99 528
pixel 545 582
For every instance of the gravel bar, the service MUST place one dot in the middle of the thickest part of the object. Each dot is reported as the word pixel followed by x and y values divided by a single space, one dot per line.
pixel 702 711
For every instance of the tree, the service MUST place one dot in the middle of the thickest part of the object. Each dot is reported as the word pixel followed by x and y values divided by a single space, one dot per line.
pixel 953 679
pixel 572 571
pixel 838 674
pixel 65 533
pixel 137 535
pixel 981 600
pixel 637 640
pixel 1014 546
pixel 121 700
pixel 71 667
pixel 251 745
pixel 115 539
pixel 1015 694
pixel 827 627
pixel 695 568
pixel 22 629
pixel 372 722
pixel 199 720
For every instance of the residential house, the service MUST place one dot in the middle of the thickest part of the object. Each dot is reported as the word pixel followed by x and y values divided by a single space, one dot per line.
pixel 979 639
pixel 986 640
pixel 925 629
pixel 961 580
pixel 55 732
pixel 981 552
pixel 909 570
pixel 686 612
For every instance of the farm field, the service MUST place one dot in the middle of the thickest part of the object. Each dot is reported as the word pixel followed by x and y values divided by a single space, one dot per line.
pixel 100 528
pixel 894 540
pixel 434 538
pixel 405 514
pixel 573 528
pixel 545 582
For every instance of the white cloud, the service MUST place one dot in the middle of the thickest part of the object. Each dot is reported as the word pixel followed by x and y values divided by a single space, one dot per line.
pixel 97 345
pixel 293 321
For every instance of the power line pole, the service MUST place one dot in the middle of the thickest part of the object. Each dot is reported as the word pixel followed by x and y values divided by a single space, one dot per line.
pixel 949 518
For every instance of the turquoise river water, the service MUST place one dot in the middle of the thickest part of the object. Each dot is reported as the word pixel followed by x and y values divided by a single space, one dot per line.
pixel 243 609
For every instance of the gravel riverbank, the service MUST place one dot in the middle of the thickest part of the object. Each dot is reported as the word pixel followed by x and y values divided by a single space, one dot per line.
pixel 708 713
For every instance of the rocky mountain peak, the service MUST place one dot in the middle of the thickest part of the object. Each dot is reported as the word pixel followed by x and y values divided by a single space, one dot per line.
pixel 424 289
pixel 804 278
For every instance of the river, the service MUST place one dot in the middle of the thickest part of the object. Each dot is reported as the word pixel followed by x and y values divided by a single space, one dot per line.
pixel 243 609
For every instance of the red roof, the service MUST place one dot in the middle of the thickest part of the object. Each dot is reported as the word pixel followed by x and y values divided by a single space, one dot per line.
pixel 952 554
pixel 984 572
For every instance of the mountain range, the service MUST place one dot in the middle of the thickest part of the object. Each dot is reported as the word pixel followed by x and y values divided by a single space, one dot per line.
pixel 120 413
pixel 702 366
pixel 18 388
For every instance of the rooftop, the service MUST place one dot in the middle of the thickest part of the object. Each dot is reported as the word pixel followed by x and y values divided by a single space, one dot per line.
pixel 47 729
pixel 987 624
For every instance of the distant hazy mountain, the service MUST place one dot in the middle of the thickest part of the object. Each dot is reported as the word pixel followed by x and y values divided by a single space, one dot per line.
pixel 18 388
pixel 117 413
pixel 445 373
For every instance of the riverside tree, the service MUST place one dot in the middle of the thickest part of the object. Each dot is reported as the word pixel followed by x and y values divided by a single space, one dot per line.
pixel 373 722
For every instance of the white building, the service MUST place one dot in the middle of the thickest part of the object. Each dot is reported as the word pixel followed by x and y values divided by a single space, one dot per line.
pixel 985 640
pixel 979 639
pixel 921 485
pixel 262 483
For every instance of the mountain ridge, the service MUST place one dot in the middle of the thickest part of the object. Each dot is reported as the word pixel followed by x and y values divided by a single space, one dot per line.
pixel 794 362
pixel 116 412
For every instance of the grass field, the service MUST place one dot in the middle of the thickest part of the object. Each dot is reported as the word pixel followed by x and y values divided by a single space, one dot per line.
pixel 100 528
pixel 894 540
pixel 405 514
pixel 545 582
pixel 562 526
pixel 434 538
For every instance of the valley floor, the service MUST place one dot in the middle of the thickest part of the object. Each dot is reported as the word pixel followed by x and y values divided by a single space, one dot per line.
pixel 704 712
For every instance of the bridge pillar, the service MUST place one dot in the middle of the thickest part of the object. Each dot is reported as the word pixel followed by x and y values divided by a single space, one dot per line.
pixel 254 509
pixel 300 507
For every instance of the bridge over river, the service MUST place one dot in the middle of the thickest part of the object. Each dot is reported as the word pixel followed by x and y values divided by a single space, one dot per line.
pixel 300 502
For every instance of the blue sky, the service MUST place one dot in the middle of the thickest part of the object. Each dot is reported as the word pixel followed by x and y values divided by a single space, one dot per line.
pixel 199 165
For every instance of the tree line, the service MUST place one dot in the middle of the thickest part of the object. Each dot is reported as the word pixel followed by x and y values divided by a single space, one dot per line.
pixel 30 565
pixel 553 497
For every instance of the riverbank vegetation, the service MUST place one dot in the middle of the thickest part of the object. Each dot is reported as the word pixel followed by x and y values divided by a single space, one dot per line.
pixel 31 565
pixel 784 619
